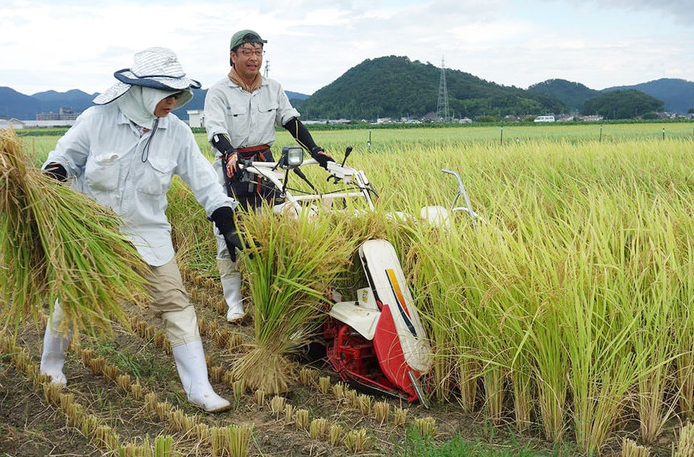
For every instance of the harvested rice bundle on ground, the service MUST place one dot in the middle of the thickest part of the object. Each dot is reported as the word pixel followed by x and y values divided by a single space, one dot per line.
pixel 295 262
pixel 58 244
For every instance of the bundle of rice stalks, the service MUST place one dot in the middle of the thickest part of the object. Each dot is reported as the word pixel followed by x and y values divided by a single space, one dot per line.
pixel 295 262
pixel 191 231
pixel 58 244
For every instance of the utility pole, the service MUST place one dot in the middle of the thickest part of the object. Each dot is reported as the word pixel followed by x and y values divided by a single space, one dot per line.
pixel 267 68
pixel 442 104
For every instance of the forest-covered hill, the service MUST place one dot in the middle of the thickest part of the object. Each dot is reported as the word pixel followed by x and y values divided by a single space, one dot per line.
pixel 677 95
pixel 398 87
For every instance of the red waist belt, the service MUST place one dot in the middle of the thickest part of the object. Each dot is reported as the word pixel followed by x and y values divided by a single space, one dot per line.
pixel 251 151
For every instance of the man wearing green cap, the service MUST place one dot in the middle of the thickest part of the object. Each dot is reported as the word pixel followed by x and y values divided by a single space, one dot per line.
pixel 241 112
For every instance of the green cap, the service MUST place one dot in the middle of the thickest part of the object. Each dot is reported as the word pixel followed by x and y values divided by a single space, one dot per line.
pixel 245 36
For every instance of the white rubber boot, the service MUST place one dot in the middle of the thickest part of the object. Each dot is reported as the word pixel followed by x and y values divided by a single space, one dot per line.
pixel 54 347
pixel 231 285
pixel 192 369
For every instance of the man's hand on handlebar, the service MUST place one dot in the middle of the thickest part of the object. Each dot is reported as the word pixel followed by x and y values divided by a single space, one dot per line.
pixel 321 157
pixel 231 164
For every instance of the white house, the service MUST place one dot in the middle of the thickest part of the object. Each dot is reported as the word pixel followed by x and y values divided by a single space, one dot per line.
pixel 196 118
pixel 11 123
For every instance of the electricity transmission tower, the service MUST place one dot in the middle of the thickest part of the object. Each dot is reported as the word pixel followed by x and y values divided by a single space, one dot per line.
pixel 442 105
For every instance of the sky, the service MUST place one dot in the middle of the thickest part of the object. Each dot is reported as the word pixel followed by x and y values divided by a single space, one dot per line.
pixel 68 44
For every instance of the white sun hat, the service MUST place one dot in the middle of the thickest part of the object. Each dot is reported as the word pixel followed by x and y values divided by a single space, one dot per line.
pixel 157 68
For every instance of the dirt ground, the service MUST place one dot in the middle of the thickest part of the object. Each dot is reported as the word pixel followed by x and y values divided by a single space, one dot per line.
pixel 31 425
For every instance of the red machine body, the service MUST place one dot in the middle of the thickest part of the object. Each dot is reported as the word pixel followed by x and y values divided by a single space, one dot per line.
pixel 378 340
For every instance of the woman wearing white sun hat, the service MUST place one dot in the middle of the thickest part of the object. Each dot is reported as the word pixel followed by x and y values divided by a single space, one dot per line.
pixel 123 153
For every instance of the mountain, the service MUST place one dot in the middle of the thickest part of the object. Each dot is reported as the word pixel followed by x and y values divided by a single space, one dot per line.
pixel 16 105
pixel 623 104
pixel 574 95
pixel 25 107
pixel 293 96
pixel 52 101
pixel 395 86
pixel 19 106
pixel 677 95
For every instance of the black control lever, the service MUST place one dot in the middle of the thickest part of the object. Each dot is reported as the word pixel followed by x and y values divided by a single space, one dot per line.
pixel 348 151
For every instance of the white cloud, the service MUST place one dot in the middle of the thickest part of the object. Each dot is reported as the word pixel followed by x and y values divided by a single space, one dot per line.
pixel 63 45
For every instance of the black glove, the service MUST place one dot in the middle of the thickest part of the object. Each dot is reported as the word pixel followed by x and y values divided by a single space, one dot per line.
pixel 56 171
pixel 223 218
pixel 321 157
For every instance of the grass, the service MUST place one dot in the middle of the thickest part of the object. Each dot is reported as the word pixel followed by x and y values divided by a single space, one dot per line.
pixel 416 446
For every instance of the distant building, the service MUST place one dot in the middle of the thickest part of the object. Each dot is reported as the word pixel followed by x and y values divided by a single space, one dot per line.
pixel 32 124
pixel 13 123
pixel 591 118
pixel 65 114
pixel 196 118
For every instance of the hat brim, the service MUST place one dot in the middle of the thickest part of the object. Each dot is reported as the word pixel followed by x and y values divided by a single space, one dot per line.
pixel 111 93
pixel 157 82
pixel 126 79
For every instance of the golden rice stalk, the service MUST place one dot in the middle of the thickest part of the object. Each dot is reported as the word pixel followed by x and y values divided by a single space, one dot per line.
pixel 217 373
pixel 318 428
pixel 324 384
pixel 274 378
pixel 292 266
pixel 685 443
pixel 288 413
pixel 151 402
pixel 123 382
pixel 260 397
pixel 202 432
pixel 89 426
pixel 239 437
pixel 335 434
pixel 191 232
pixel 365 404
pixel 301 419
pixel 631 449
pixel 400 416
pixel 239 388
pixel 351 398
pixel 381 411
pixel 55 243
pixel 425 427
pixel 220 441
pixel 136 390
pixel 356 440
pixel 163 446
pixel 339 391
pixel 308 376
pixel 51 392
pixel 277 405
pixel 65 401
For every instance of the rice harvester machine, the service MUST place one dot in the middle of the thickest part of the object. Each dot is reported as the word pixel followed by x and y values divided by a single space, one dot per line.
pixel 376 340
